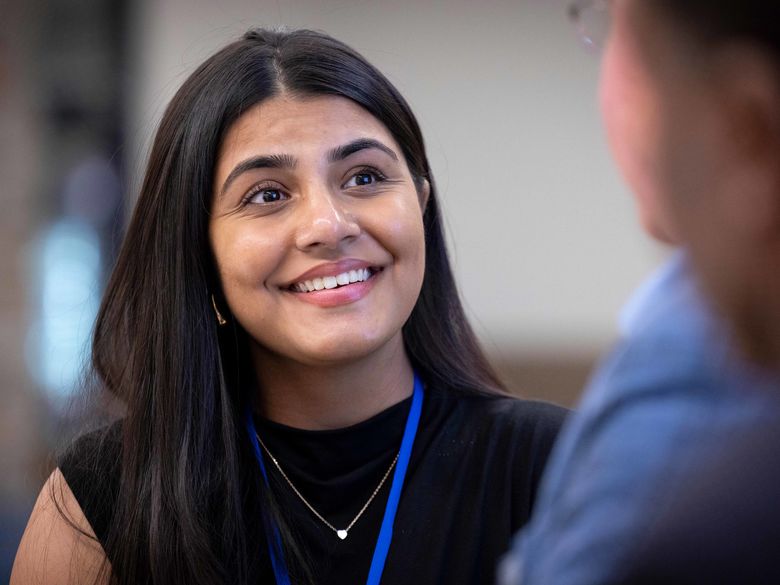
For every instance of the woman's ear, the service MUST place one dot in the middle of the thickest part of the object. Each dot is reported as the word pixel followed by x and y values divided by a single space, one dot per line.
pixel 424 194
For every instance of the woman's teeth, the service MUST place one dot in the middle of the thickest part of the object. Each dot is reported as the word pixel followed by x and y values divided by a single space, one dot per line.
pixel 329 282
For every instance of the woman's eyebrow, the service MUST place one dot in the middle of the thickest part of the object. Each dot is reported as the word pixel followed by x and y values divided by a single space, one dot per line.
pixel 287 161
pixel 341 152
pixel 271 161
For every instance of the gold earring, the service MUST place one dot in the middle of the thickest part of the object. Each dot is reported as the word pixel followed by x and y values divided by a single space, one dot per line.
pixel 220 318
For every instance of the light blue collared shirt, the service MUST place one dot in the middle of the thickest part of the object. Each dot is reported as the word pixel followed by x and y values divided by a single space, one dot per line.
pixel 653 410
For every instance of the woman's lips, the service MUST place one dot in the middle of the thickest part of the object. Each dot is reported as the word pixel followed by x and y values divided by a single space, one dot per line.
pixel 340 295
pixel 331 281
pixel 331 269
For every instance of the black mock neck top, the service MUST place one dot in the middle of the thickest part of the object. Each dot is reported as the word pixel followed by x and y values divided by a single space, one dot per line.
pixel 471 484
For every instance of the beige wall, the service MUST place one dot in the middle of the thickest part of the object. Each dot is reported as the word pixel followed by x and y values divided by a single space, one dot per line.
pixel 544 236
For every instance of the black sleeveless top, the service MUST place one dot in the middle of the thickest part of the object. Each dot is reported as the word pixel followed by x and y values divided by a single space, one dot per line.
pixel 470 485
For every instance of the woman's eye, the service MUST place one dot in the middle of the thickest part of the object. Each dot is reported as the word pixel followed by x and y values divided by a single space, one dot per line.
pixel 364 179
pixel 266 196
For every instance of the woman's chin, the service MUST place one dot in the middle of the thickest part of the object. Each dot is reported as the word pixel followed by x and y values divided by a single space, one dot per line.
pixel 333 350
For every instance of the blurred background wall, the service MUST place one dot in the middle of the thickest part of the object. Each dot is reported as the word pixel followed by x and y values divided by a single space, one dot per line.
pixel 543 233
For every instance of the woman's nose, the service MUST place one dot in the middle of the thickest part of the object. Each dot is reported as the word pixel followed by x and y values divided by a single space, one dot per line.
pixel 325 221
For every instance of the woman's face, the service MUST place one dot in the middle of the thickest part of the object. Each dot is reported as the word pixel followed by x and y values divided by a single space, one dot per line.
pixel 317 230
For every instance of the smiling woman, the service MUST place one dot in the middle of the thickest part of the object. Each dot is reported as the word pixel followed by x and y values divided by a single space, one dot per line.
pixel 305 400
pixel 320 186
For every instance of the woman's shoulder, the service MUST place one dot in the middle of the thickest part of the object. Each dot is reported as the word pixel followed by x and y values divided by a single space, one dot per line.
pixel 506 409
pixel 91 466
pixel 59 546
pixel 517 411
pixel 512 417
pixel 512 437
pixel 93 453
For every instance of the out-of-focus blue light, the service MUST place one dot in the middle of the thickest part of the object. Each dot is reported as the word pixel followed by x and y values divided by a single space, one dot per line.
pixel 67 269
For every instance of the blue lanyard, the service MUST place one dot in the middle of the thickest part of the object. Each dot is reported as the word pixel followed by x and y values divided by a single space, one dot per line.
pixel 386 531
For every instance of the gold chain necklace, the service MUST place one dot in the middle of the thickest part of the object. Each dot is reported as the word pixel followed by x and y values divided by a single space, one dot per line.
pixel 344 532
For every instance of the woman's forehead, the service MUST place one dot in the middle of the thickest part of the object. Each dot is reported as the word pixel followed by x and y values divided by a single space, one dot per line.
pixel 300 127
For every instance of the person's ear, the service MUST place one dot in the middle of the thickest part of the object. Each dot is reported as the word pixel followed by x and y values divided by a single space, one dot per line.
pixel 424 194
pixel 749 88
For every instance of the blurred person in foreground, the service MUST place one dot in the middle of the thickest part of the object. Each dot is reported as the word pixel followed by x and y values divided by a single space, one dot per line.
pixel 669 471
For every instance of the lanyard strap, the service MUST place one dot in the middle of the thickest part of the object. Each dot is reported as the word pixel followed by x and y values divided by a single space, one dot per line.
pixel 275 550
pixel 386 531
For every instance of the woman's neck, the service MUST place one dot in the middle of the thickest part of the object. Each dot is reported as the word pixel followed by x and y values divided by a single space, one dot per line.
pixel 319 397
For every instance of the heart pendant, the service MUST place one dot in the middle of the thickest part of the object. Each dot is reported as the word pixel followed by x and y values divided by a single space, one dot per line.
pixel 342 534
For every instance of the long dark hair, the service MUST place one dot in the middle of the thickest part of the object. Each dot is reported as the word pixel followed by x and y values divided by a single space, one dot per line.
pixel 185 491
pixel 719 21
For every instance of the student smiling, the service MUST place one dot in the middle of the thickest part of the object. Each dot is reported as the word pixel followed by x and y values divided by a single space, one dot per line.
pixel 322 190
pixel 305 400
